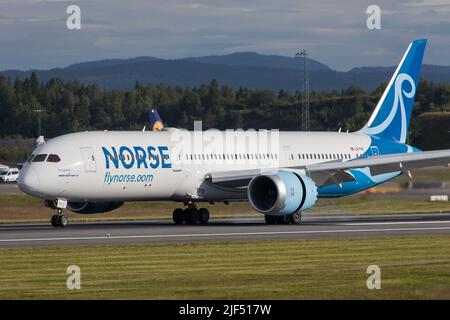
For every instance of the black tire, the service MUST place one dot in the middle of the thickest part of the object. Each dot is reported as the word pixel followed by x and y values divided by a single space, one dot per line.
pixel 203 216
pixel 63 221
pixel 281 219
pixel 192 216
pixel 178 216
pixel 270 219
pixel 55 220
pixel 186 214
pixel 296 218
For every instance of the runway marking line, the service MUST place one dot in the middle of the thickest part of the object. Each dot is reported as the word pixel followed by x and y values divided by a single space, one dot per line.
pixel 199 235
pixel 31 227
pixel 392 222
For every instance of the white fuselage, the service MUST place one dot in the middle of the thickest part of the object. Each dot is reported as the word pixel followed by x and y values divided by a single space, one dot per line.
pixel 98 166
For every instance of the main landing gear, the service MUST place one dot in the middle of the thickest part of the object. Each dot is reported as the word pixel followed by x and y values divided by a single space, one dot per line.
pixel 190 215
pixel 294 218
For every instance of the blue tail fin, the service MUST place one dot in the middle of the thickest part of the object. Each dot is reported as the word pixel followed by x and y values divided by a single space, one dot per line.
pixel 155 120
pixel 392 115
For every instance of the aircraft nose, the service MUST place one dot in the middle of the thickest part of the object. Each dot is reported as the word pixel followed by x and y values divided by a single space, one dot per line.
pixel 28 180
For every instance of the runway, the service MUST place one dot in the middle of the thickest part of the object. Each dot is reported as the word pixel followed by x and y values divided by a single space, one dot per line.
pixel 101 233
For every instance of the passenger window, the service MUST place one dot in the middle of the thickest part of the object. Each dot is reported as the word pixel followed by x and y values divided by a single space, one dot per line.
pixel 53 158
pixel 39 158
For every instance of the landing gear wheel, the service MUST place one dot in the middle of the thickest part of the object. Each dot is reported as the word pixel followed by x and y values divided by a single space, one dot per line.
pixel 270 219
pixel 63 221
pixel 203 216
pixel 178 216
pixel 284 219
pixel 193 216
pixel 59 219
pixel 296 218
pixel 55 220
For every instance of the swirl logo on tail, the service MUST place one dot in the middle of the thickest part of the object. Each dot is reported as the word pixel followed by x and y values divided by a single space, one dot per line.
pixel 397 104
pixel 391 118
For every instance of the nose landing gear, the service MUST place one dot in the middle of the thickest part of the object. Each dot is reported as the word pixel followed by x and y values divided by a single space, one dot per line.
pixel 190 215
pixel 59 219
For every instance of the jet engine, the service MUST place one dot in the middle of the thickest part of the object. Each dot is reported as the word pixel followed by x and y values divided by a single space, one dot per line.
pixel 93 207
pixel 282 193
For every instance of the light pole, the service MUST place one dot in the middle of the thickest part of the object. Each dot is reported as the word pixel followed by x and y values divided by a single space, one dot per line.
pixel 305 100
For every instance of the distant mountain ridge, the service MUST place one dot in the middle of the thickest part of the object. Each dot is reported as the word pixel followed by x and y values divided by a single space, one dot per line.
pixel 246 69
pixel 256 59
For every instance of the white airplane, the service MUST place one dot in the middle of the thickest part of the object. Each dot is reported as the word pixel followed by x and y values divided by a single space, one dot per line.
pixel 95 172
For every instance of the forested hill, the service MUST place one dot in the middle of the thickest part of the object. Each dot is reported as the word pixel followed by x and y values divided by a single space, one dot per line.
pixel 236 70
pixel 71 107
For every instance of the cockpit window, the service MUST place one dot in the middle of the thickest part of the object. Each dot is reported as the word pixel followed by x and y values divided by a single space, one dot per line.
pixel 39 158
pixel 30 158
pixel 53 158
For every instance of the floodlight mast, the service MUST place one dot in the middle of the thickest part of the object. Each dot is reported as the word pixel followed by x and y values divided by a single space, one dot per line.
pixel 305 96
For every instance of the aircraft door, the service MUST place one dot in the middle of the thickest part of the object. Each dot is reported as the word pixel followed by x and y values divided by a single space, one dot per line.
pixel 89 159
pixel 375 151
pixel 176 158
pixel 287 156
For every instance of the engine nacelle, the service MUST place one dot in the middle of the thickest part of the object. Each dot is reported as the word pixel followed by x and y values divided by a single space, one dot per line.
pixel 282 193
pixel 93 207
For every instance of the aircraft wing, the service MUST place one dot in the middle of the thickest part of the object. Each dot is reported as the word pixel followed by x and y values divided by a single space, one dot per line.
pixel 337 172
pixel 236 178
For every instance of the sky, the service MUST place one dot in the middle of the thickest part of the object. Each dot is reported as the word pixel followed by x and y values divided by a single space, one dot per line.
pixel 33 33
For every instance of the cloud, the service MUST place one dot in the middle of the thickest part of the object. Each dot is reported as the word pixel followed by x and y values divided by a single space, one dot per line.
pixel 33 33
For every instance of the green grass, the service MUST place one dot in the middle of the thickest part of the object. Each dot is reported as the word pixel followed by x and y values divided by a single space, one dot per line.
pixel 411 267
pixel 425 175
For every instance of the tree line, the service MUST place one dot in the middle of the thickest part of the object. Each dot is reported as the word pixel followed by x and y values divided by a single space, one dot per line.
pixel 72 106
